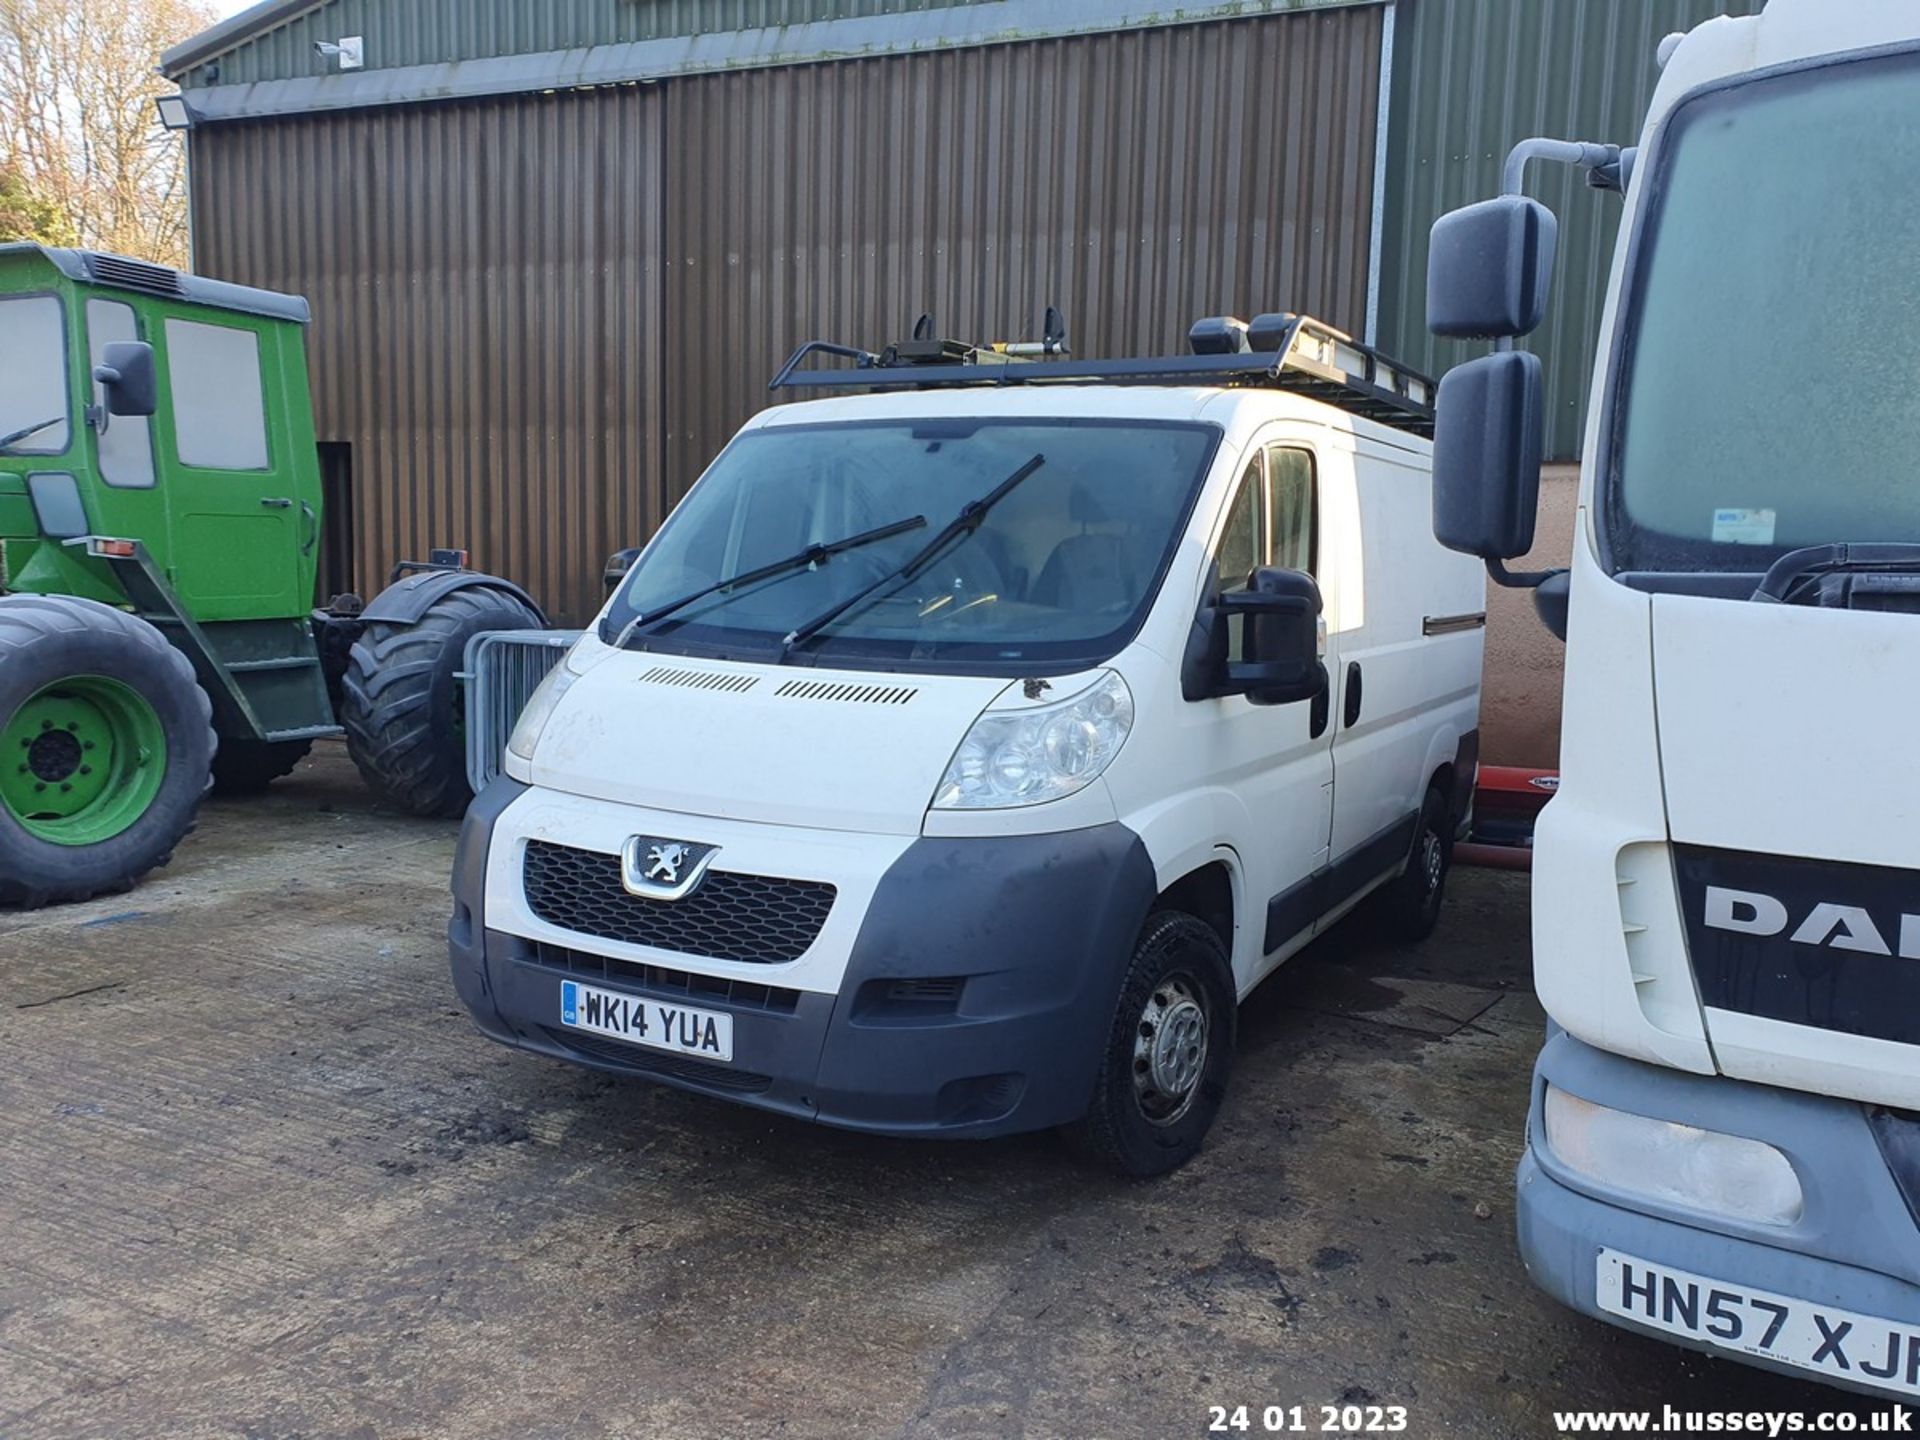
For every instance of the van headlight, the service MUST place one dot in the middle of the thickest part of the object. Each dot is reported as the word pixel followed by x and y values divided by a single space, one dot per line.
pixel 539 709
pixel 1680 1164
pixel 1027 757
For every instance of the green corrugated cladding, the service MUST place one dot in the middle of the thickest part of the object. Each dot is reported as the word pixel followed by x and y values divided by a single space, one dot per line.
pixel 431 32
pixel 1471 77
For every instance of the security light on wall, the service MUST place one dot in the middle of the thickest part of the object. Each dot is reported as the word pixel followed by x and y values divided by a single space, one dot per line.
pixel 174 114
pixel 349 50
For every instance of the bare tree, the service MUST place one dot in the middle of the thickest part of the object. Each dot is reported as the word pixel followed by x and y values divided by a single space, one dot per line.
pixel 78 131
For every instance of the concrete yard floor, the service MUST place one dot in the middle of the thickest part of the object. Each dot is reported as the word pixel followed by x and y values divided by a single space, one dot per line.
pixel 259 1177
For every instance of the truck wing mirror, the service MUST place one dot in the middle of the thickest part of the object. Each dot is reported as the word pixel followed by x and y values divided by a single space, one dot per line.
pixel 1280 649
pixel 1487 437
pixel 1489 268
pixel 126 373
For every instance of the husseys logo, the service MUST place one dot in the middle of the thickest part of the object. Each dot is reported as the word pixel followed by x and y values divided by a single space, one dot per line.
pixel 1840 927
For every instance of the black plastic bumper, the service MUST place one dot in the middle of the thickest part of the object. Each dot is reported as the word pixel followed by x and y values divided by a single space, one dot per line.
pixel 1026 937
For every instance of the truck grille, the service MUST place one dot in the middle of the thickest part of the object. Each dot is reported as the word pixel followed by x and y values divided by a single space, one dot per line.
pixel 758 919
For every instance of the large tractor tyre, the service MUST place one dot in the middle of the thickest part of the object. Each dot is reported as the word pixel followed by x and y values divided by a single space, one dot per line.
pixel 246 767
pixel 403 705
pixel 105 746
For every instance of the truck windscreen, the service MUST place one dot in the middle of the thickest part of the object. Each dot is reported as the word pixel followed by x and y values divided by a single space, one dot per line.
pixel 1767 395
pixel 1059 569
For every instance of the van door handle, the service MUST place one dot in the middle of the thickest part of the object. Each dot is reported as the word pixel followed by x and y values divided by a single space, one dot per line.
pixel 278 502
pixel 1351 709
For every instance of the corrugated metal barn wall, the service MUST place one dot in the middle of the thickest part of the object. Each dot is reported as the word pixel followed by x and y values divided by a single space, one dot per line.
pixel 1136 180
pixel 537 317
pixel 430 32
pixel 485 282
pixel 1470 78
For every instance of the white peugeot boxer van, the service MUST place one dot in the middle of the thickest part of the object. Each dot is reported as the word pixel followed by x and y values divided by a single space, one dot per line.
pixel 961 751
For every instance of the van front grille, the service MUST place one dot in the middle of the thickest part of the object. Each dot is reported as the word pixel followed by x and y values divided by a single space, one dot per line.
pixel 757 919
pixel 658 980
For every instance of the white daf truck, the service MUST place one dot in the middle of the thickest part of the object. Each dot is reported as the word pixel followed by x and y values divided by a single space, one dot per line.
pixel 961 751
pixel 1723 1148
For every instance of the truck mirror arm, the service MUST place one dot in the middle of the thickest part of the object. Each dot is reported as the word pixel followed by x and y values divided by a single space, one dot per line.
pixel 1518 579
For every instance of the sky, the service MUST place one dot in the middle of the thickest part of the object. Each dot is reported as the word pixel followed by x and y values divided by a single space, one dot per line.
pixel 230 7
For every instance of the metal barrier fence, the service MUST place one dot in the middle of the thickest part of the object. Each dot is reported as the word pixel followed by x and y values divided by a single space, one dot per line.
pixel 502 669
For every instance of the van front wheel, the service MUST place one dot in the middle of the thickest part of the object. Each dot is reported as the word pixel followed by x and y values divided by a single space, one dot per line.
pixel 1168 1054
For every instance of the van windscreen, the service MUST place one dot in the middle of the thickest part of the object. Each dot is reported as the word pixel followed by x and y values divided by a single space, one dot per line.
pixel 1057 573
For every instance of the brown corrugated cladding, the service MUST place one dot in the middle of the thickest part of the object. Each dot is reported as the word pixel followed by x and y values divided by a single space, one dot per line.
pixel 1136 180
pixel 485 281
pixel 537 317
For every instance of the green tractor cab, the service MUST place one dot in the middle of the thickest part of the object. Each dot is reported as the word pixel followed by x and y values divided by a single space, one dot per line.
pixel 160 513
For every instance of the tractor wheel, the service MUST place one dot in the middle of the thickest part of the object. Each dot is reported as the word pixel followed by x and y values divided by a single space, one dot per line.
pixel 403 705
pixel 105 746
pixel 246 767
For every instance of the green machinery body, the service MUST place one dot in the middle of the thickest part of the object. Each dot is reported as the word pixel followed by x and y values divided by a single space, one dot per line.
pixel 202 518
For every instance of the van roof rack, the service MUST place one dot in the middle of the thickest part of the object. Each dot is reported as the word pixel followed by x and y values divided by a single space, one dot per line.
pixel 1281 351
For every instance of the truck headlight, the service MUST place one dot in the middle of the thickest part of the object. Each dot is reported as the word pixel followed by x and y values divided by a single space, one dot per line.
pixel 1681 1164
pixel 539 709
pixel 1027 757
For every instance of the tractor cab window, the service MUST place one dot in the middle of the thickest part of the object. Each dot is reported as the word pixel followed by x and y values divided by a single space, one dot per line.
pixel 219 407
pixel 34 416
pixel 126 445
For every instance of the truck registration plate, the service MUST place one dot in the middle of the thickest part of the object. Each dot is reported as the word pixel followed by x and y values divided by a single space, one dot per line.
pixel 1836 1343
pixel 657 1024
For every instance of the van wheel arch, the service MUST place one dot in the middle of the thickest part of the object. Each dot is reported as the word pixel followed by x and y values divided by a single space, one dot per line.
pixel 1207 894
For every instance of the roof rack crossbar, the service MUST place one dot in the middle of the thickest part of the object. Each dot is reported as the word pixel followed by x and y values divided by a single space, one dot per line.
pixel 1301 354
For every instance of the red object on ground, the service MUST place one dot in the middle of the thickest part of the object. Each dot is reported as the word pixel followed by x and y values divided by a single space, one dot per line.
pixel 1506 800
pixel 1494 857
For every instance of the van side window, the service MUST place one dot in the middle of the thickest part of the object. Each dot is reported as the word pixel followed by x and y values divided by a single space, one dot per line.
pixel 1240 545
pixel 1293 520
pixel 126 445
pixel 219 408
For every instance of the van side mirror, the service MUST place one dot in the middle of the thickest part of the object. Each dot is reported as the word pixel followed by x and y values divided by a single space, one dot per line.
pixel 1280 642
pixel 127 374
pixel 1490 267
pixel 1489 430
pixel 617 566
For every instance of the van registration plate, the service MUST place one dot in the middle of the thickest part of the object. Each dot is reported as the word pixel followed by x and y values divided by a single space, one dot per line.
pixel 657 1024
pixel 1829 1341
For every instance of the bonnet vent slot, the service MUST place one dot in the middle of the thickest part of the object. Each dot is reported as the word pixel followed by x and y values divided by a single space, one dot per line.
pixel 128 274
pixel 700 679
pixel 851 694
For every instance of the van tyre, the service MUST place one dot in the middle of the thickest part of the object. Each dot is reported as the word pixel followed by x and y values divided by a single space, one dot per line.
pixel 1167 1057
pixel 401 699
pixel 1409 907
pixel 246 767
pixel 106 742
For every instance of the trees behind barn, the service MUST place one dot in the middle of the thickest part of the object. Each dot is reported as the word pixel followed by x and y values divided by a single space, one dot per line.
pixel 83 159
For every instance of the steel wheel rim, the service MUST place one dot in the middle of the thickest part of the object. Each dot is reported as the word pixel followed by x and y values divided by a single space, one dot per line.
pixel 1433 860
pixel 81 760
pixel 1170 1049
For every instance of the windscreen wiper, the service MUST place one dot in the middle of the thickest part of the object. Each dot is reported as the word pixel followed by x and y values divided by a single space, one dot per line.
pixel 18 435
pixel 1789 577
pixel 800 560
pixel 965 523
